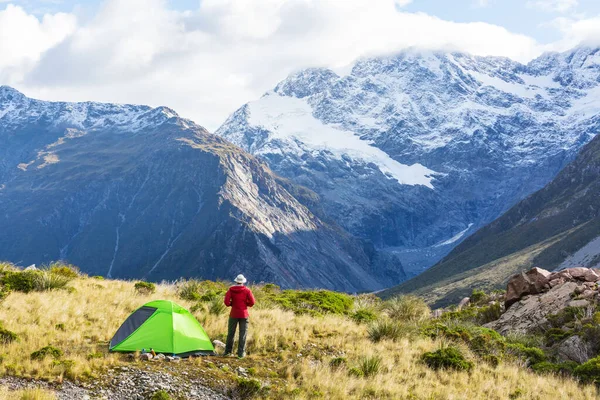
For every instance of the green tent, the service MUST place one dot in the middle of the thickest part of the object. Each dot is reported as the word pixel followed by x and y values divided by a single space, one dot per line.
pixel 165 327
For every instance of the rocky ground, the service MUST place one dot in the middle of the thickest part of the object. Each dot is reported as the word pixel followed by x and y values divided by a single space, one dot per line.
pixel 126 383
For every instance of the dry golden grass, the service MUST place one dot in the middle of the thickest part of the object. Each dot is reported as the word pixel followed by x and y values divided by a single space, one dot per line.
pixel 290 352
pixel 26 394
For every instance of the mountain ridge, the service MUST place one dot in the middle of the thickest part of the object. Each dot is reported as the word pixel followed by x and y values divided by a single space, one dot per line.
pixel 131 191
pixel 473 134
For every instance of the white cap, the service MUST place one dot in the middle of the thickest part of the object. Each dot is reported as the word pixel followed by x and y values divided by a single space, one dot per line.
pixel 240 279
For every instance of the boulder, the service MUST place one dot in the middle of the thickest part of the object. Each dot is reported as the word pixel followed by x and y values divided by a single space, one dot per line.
pixel 464 302
pixel 146 357
pixel 583 274
pixel 574 348
pixel 530 313
pixel 533 281
pixel 218 344
pixel 579 303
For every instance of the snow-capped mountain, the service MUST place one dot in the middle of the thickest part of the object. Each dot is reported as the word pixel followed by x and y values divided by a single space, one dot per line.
pixel 416 151
pixel 138 192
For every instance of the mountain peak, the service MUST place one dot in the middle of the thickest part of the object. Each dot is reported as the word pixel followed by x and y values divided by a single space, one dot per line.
pixel 10 93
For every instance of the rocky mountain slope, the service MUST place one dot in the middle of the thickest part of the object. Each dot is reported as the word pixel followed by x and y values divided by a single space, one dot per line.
pixel 416 151
pixel 131 191
pixel 554 228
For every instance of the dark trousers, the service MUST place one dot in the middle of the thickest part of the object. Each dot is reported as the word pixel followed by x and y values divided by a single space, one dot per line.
pixel 233 323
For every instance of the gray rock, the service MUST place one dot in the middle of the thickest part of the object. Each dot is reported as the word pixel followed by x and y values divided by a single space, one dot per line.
pixel 464 302
pixel 531 312
pixel 531 282
pixel 574 348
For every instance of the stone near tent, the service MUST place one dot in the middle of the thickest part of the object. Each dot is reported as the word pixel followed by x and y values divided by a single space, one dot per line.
pixel 531 282
pixel 146 357
pixel 218 344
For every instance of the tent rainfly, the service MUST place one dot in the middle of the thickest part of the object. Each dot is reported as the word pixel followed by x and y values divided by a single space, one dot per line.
pixel 165 327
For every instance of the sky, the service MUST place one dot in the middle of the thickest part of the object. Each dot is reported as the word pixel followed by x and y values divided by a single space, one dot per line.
pixel 206 58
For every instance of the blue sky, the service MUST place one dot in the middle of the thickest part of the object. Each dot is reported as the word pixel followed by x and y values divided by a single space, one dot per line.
pixel 206 58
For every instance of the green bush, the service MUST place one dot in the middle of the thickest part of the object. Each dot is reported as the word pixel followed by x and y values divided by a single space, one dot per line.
pixel 248 388
pixel 338 362
pixel 145 288
pixel 46 351
pixel 532 355
pixel 19 281
pixel 478 315
pixel 556 335
pixel 160 395
pixel 66 270
pixel 407 308
pixel 566 316
pixel 314 302
pixel 7 336
pixel 589 372
pixel 486 343
pixel 447 358
pixel 364 315
pixel 206 291
pixel 546 367
pixel 98 277
pixel 478 297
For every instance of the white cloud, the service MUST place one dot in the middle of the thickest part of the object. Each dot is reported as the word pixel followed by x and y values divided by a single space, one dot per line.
pixel 553 5
pixel 24 38
pixel 577 31
pixel 205 63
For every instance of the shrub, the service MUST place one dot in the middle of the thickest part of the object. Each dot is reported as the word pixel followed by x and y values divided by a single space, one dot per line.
pixel 217 307
pixel 45 280
pixel 364 315
pixel 390 330
pixel 338 362
pixel 314 302
pixel 20 281
pixel 589 372
pixel 369 366
pixel 478 297
pixel 546 367
pixel 566 316
pixel 46 351
pixel 98 277
pixel 66 270
pixel 189 290
pixel 447 358
pixel 7 336
pixel 248 388
pixel 160 395
pixel 407 308
pixel 356 372
pixel 145 288
pixel 532 355
pixel 60 327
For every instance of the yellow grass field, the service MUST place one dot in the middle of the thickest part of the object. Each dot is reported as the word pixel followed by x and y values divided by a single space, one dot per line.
pixel 289 353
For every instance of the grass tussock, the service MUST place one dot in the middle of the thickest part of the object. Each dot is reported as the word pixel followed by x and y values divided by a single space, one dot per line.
pixel 323 353
pixel 26 394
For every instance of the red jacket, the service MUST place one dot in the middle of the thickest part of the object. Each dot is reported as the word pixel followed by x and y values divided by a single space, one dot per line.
pixel 239 298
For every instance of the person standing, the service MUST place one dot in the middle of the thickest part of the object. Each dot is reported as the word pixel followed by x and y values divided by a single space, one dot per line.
pixel 239 298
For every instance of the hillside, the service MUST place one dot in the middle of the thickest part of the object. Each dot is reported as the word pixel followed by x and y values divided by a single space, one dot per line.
pixel 416 151
pixel 302 345
pixel 555 227
pixel 130 191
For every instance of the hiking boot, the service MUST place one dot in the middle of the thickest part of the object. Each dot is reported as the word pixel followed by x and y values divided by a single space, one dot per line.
pixel 241 356
pixel 228 355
